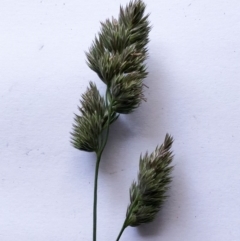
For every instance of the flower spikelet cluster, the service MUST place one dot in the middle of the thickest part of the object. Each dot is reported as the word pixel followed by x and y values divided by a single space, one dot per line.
pixel 117 55
pixel 89 126
pixel 149 192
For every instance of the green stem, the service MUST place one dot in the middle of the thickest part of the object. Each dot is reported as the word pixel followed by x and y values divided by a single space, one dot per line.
pixel 99 155
pixel 95 198
pixel 126 219
pixel 121 231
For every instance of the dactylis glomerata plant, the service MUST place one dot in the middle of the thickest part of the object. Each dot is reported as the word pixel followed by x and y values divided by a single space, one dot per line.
pixel 118 57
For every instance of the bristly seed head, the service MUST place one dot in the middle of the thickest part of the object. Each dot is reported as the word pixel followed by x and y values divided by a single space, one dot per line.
pixel 119 51
pixel 149 193
pixel 118 56
pixel 93 119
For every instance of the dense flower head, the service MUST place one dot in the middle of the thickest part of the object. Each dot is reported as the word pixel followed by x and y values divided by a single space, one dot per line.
pixel 120 50
pixel 92 120
pixel 118 57
pixel 149 192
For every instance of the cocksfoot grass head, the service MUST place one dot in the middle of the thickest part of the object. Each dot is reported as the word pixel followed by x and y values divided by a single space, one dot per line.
pixel 148 193
pixel 117 55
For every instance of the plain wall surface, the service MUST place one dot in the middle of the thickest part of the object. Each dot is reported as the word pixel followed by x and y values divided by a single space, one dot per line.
pixel 46 186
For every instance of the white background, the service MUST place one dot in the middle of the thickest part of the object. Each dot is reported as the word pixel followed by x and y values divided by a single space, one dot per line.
pixel 46 185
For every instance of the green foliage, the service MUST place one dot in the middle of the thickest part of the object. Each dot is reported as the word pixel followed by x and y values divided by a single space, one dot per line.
pixel 149 193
